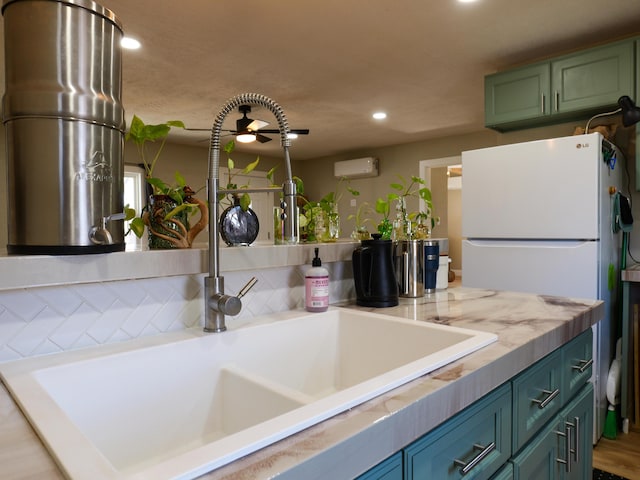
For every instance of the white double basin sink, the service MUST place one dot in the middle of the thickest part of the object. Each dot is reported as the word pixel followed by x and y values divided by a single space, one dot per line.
pixel 179 405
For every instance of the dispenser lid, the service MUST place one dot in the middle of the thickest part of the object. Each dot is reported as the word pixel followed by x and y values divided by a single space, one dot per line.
pixel 316 262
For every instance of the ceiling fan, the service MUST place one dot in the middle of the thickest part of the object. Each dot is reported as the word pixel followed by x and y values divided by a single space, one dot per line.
pixel 248 130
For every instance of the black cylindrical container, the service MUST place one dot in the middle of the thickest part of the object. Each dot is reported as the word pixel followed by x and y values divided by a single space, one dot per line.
pixel 374 274
pixel 431 263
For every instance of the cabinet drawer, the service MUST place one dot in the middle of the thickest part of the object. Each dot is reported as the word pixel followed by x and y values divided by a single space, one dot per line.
pixel 390 469
pixel 577 361
pixel 536 397
pixel 477 440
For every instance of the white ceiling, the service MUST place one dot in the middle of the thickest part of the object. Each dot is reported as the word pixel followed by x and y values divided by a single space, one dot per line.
pixel 331 63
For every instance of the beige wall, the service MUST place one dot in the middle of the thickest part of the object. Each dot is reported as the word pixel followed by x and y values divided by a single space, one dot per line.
pixel 404 160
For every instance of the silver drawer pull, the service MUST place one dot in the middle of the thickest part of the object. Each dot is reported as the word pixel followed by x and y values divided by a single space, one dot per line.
pixel 567 447
pixel 584 364
pixel 575 451
pixel 484 451
pixel 546 401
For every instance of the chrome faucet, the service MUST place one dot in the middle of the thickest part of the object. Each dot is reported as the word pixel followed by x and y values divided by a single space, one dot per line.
pixel 217 303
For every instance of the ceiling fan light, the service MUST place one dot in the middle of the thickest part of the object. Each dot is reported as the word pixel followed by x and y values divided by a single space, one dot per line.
pixel 246 137
pixel 292 136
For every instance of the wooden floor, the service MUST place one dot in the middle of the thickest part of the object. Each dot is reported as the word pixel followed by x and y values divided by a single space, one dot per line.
pixel 620 456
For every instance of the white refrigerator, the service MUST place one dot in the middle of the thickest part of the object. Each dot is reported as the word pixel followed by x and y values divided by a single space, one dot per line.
pixel 537 218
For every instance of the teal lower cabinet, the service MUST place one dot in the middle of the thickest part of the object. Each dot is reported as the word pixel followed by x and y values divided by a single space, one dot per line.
pixel 563 449
pixel 474 444
pixel 537 426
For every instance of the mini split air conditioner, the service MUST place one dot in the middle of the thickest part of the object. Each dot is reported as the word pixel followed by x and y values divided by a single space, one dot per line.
pixel 357 168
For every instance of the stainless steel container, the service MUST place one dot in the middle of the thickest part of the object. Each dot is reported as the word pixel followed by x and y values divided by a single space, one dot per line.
pixel 64 123
pixel 409 267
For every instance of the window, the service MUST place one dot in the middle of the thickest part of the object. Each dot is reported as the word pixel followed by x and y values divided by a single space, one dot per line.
pixel 134 197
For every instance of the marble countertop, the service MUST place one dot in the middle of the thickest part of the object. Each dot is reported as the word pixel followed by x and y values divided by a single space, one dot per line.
pixel 528 328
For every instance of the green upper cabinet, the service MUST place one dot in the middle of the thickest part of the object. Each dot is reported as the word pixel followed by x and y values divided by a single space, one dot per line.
pixel 517 95
pixel 593 79
pixel 569 87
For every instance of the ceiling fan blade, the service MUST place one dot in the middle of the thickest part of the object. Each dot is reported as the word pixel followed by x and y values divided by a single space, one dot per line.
pixel 262 138
pixel 299 131
pixel 256 125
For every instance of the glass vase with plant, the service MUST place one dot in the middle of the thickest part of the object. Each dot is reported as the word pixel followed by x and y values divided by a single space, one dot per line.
pixel 403 226
pixel 166 216
pixel 328 227
pixel 360 231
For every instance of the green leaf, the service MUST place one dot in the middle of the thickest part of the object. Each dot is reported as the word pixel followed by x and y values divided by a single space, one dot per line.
pixel 136 130
pixel 180 181
pixel 251 167
pixel 137 227
pixel 417 179
pixel 353 192
pixel 158 184
pixel 154 132
pixel 230 164
pixel 176 123
pixel 425 194
pixel 397 186
pixel 129 213
pixel 245 201
pixel 177 210
pixel 229 146
pixel 270 174
pixel 299 185
pixel 382 206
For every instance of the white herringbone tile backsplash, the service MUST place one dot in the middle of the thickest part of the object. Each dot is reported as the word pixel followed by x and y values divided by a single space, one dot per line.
pixel 37 321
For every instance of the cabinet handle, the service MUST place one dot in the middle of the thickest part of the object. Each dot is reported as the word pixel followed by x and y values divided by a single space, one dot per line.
pixel 542 103
pixel 584 364
pixel 484 451
pixel 576 438
pixel 556 100
pixel 567 446
pixel 546 401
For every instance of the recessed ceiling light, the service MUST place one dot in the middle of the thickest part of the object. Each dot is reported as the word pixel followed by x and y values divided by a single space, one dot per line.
pixel 129 43
pixel 467 1
pixel 379 115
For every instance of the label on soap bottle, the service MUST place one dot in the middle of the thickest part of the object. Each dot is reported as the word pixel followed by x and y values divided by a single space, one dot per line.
pixel 317 293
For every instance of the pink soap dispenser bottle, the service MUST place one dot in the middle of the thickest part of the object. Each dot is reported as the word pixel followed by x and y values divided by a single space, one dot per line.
pixel 316 286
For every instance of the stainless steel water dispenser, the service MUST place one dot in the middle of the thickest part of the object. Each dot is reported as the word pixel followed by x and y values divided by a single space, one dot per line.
pixel 64 124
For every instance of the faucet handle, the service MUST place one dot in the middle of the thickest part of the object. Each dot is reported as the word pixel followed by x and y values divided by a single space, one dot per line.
pixel 247 287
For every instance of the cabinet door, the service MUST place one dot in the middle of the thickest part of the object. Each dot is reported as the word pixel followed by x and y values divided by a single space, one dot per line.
pixel 577 422
pixel 539 459
pixel 473 444
pixel 594 79
pixel 536 398
pixel 517 95
pixel 389 469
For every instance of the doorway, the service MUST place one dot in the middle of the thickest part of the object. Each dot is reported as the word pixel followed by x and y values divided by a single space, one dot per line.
pixel 443 176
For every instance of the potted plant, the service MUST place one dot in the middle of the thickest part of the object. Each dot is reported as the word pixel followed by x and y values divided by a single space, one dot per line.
pixel 166 216
pixel 360 231
pixel 404 227
pixel 327 217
